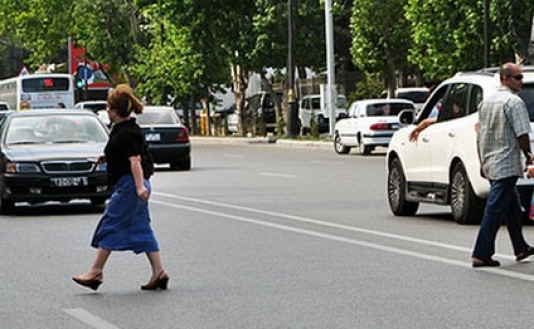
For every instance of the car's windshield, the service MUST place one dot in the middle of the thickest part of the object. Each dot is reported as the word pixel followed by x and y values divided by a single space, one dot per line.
pixel 387 109
pixel 55 129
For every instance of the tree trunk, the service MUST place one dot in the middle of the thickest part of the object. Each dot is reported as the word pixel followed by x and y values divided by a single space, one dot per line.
pixel 239 89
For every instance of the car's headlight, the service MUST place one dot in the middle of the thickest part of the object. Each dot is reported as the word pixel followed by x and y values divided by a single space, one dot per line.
pixel 22 167
pixel 102 166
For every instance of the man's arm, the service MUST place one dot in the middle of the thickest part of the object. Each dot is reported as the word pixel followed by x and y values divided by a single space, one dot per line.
pixel 524 144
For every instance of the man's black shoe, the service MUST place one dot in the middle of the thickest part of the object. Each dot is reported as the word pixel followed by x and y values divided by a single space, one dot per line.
pixel 485 263
pixel 525 254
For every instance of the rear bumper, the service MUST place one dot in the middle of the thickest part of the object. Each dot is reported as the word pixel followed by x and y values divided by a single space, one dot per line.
pixel 167 153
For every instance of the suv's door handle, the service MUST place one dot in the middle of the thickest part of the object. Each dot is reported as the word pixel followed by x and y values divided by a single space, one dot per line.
pixel 425 139
pixel 452 134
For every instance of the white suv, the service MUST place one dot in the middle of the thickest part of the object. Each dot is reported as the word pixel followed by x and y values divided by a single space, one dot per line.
pixel 313 107
pixel 442 166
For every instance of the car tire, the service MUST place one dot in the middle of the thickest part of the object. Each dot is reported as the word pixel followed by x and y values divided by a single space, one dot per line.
pixel 364 149
pixel 184 164
pixel 466 206
pixel 6 206
pixel 339 147
pixel 397 191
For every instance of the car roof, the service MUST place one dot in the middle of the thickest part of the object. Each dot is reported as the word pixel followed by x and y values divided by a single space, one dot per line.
pixel 93 101
pixel 491 74
pixel 158 108
pixel 47 112
pixel 412 89
pixel 383 100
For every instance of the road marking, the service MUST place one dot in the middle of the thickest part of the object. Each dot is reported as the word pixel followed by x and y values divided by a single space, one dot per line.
pixel 396 250
pixel 329 162
pixel 327 224
pixel 233 156
pixel 89 318
pixel 276 174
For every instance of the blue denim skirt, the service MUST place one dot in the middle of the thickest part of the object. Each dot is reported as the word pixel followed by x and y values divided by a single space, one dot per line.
pixel 125 224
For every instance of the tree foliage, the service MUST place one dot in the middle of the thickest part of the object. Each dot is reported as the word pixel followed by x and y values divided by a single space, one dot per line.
pixel 381 37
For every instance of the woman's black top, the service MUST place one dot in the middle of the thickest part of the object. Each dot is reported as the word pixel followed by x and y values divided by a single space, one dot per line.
pixel 125 141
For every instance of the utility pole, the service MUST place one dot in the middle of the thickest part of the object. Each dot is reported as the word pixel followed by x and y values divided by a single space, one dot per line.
pixel 331 98
pixel 292 115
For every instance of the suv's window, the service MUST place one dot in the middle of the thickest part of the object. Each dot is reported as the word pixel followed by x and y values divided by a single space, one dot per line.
pixel 527 94
pixel 475 98
pixel 433 106
pixel 455 102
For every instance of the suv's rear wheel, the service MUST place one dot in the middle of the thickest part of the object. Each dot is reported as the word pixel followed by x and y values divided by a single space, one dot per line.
pixel 397 191
pixel 466 206
pixel 340 148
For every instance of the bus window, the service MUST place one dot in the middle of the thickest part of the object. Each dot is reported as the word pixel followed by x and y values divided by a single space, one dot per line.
pixel 35 84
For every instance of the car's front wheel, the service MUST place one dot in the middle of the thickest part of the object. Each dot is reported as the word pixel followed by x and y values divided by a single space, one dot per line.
pixel 6 206
pixel 339 147
pixel 98 202
pixel 397 191
pixel 466 206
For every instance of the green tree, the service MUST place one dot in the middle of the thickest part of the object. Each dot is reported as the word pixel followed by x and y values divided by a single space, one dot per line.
pixel 39 26
pixel 381 38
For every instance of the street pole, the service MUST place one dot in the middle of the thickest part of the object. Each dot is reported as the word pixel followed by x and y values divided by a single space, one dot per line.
pixel 330 92
pixel 292 115
pixel 487 33
pixel 85 86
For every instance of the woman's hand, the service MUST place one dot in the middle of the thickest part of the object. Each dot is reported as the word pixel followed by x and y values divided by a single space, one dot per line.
pixel 143 194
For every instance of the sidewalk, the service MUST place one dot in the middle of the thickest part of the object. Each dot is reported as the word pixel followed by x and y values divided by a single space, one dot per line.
pixel 263 140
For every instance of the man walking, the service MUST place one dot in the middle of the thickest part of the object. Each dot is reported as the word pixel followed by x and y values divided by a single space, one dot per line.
pixel 503 133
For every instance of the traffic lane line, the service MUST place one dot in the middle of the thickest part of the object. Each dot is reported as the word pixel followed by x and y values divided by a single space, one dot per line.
pixel 89 318
pixel 394 250
pixel 327 224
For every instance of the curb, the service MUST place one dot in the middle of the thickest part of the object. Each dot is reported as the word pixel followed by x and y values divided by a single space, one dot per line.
pixel 262 140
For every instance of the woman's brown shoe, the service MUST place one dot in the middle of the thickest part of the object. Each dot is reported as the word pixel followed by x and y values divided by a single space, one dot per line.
pixel 92 283
pixel 160 282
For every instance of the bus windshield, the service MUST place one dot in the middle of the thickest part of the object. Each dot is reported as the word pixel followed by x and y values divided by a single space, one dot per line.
pixel 44 84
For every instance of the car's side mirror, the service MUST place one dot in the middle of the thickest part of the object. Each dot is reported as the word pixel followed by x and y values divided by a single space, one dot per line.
pixel 406 117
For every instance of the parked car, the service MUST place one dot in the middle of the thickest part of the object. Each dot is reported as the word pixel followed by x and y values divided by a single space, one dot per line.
pixel 260 109
pixel 417 95
pixel 94 106
pixel 166 136
pixel 370 123
pixel 4 109
pixel 51 155
pixel 442 166
pixel 314 107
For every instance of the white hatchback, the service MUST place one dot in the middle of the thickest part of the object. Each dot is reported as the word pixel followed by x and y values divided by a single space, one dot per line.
pixel 370 123
pixel 442 166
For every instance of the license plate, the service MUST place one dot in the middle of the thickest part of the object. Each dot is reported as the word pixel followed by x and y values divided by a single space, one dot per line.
pixel 69 181
pixel 152 137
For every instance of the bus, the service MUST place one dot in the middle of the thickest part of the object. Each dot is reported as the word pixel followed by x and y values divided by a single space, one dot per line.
pixel 38 91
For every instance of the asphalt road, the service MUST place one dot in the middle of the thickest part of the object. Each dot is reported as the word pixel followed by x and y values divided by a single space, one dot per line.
pixel 258 235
